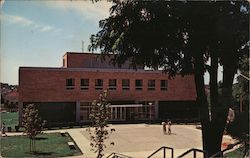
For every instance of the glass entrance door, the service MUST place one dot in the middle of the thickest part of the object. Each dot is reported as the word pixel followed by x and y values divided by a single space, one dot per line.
pixel 118 113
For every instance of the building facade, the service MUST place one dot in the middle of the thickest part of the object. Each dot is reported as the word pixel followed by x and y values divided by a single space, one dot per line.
pixel 65 94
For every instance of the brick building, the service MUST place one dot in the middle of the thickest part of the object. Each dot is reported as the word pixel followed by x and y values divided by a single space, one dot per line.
pixel 65 94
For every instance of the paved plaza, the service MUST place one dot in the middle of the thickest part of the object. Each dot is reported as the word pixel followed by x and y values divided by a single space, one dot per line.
pixel 140 140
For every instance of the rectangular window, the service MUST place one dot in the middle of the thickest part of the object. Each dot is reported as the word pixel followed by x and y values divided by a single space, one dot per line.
pixel 70 83
pixel 118 112
pixel 138 84
pixel 84 84
pixel 85 104
pixel 98 84
pixel 125 84
pixel 112 84
pixel 151 85
pixel 164 85
pixel 85 109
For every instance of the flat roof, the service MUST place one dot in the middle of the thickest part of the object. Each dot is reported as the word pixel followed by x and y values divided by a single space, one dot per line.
pixel 88 53
pixel 90 69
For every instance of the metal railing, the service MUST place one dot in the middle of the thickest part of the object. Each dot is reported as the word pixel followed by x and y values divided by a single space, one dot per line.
pixel 221 153
pixel 194 152
pixel 164 152
pixel 117 155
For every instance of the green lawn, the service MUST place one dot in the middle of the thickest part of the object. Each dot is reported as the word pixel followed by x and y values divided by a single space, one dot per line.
pixel 10 119
pixel 47 145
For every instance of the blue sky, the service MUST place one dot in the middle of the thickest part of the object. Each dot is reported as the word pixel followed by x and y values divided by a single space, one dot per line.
pixel 38 33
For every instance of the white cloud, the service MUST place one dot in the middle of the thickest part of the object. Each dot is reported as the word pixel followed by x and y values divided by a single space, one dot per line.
pixel 15 19
pixel 46 29
pixel 91 11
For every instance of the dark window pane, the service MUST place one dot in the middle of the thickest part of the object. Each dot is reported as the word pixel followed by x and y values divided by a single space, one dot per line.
pixel 84 84
pixel 164 85
pixel 151 84
pixel 98 84
pixel 138 84
pixel 70 83
pixel 85 104
pixel 125 84
pixel 112 84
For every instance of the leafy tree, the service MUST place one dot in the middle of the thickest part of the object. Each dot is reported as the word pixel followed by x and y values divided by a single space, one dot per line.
pixel 239 127
pixel 181 36
pixel 99 117
pixel 32 124
pixel 241 88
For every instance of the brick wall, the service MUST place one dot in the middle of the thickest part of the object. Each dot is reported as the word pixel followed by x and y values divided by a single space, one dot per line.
pixel 90 60
pixel 49 85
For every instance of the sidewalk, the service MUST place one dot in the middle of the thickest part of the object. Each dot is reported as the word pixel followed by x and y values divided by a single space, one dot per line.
pixel 139 140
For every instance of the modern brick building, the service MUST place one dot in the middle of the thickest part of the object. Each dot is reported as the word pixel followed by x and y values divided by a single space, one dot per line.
pixel 65 94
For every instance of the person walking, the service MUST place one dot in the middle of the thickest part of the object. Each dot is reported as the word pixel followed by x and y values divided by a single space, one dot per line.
pixel 169 127
pixel 164 127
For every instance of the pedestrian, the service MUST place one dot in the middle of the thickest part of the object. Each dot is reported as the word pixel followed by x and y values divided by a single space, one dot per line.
pixel 164 127
pixel 3 129
pixel 169 127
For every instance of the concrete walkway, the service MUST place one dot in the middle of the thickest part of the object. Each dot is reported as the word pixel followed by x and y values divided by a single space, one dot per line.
pixel 139 140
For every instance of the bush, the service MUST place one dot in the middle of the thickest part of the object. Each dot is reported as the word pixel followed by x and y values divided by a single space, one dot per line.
pixel 239 127
pixel 17 128
pixel 9 129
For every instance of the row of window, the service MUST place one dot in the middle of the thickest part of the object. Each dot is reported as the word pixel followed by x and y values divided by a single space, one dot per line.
pixel 70 83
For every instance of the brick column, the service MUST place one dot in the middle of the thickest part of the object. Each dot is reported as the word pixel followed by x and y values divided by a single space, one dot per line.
pixel 78 111
pixel 20 112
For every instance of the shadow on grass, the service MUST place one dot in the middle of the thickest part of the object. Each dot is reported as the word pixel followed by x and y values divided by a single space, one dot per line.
pixel 40 153
pixel 40 138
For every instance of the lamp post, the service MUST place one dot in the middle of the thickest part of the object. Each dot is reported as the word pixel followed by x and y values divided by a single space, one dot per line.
pixel 150 104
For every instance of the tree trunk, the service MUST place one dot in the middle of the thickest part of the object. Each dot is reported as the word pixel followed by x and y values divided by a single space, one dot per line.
pixel 229 70
pixel 214 127
pixel 34 139
pixel 202 99
pixel 213 84
pixel 212 130
pixel 220 108
pixel 30 145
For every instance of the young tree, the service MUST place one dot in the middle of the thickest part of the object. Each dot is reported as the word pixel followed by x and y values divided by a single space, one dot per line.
pixel 181 36
pixel 99 117
pixel 32 124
